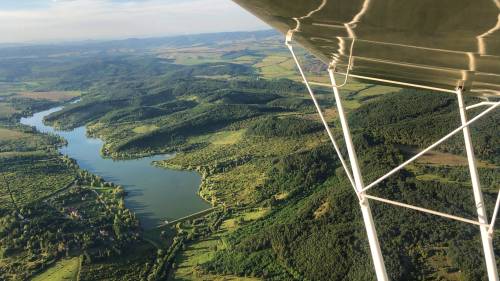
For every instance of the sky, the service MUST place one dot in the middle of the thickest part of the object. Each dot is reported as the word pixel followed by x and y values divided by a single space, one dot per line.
pixel 25 21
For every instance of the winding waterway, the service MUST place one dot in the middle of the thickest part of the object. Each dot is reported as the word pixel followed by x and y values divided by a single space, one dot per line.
pixel 154 194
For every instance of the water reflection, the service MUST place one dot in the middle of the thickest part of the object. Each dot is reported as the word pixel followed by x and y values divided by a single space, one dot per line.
pixel 155 194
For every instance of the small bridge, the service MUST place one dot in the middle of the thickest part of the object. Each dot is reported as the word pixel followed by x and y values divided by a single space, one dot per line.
pixel 188 217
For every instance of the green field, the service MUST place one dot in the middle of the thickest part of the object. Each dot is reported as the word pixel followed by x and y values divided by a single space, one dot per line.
pixel 6 110
pixel 64 270
pixel 145 129
pixel 30 181
pixel 8 135
pixel 221 138
pixel 276 67
pixel 189 262
pixel 52 96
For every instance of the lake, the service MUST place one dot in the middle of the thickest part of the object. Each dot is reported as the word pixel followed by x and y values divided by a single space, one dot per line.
pixel 154 194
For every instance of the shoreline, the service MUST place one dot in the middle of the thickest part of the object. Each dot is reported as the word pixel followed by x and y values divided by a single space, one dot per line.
pixel 152 163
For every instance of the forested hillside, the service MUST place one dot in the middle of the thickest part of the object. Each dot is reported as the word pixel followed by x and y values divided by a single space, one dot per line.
pixel 284 209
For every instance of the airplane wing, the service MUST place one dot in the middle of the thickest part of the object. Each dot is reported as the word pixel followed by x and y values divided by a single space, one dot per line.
pixel 441 44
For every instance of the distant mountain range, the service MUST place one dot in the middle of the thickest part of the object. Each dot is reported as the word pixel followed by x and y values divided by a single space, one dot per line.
pixel 207 39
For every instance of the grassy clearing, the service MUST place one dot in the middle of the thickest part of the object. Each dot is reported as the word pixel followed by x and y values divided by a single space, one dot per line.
pixel 8 88
pixel 282 196
pixel 377 91
pixel 144 129
pixel 442 158
pixel 203 251
pixel 190 55
pixel 315 80
pixel 322 210
pixel 22 154
pixel 288 64
pixel 276 71
pixel 196 58
pixel 420 175
pixel 6 110
pixel 271 60
pixel 323 81
pixel 441 266
pixel 236 221
pixel 220 138
pixel 432 177
pixel 354 86
pixel 330 115
pixel 7 134
pixel 172 53
pixel 63 270
pixel 189 98
pixel 237 186
pixel 255 214
pixel 227 137
pixel 215 77
pixel 246 59
pixel 276 67
pixel 196 254
pixel 52 96
pixel 351 104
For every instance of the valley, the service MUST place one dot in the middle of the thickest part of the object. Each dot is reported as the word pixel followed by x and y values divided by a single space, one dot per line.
pixel 238 123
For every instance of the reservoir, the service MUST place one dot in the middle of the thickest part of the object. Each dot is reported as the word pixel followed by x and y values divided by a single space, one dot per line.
pixel 154 194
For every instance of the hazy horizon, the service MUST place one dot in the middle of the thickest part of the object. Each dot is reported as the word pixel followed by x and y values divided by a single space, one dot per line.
pixel 106 40
pixel 59 21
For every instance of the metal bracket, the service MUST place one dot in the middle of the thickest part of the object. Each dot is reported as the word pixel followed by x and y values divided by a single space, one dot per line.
pixel 333 66
pixel 491 228
pixel 318 108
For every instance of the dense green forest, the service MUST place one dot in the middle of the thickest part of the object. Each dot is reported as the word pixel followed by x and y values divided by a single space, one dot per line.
pixel 284 207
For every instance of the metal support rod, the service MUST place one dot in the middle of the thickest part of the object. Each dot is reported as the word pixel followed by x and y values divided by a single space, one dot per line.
pixel 484 103
pixel 320 112
pixel 378 259
pixel 495 214
pixel 424 210
pixel 431 146
pixel 401 83
pixel 486 239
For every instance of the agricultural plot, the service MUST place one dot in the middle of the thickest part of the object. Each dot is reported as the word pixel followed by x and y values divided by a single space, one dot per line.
pixel 272 67
pixel 6 110
pixel 143 129
pixel 220 138
pixel 9 135
pixel 189 263
pixel 64 270
pixel 52 96
pixel 30 180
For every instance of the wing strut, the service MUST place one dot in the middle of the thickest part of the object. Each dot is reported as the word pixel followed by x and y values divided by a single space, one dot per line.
pixel 356 179
pixel 487 240
pixel 376 252
pixel 320 112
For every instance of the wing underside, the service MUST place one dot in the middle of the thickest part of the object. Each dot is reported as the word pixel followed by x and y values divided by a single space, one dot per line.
pixel 442 44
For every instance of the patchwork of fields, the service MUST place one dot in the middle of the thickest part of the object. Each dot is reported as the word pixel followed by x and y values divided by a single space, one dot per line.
pixel 236 112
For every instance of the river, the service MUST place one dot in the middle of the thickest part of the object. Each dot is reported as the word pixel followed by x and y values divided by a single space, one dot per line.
pixel 154 194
